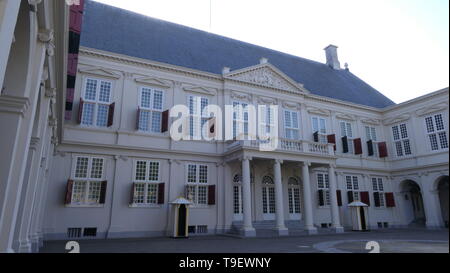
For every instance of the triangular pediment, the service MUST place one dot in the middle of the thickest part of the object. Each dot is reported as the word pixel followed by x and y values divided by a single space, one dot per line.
pixel 100 71
pixel 266 75
pixel 153 81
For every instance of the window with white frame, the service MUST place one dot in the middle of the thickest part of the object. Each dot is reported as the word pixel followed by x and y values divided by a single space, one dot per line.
pixel 378 188
pixel 267 120
pixel 240 119
pixel 151 103
pixel 401 140
pixel 352 184
pixel 324 185
pixel 437 136
pixel 197 184
pixel 371 134
pixel 146 180
pixel 96 100
pixel 198 116
pixel 291 125
pixel 87 182
pixel 319 125
pixel 346 131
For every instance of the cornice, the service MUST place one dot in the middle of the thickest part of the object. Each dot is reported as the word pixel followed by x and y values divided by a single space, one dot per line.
pixel 396 119
pixel 100 71
pixel 431 109
pixel 13 104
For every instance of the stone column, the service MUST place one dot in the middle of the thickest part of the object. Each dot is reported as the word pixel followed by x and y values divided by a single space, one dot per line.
pixel 281 228
pixel 336 221
pixel 309 219
pixel 248 230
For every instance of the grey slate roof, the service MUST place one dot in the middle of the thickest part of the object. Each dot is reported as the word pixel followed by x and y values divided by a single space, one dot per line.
pixel 120 31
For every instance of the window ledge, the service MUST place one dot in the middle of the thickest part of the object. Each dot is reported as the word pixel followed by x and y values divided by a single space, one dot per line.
pixel 145 206
pixel 201 206
pixel 85 206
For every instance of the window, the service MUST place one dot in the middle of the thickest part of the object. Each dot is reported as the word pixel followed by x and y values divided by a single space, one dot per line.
pixel 96 102
pixel 267 120
pixel 87 183
pixel 353 185
pixel 371 134
pixel 294 195
pixel 146 182
pixel 197 184
pixel 437 136
pixel 319 126
pixel 291 124
pixel 268 195
pixel 198 116
pixel 401 140
pixel 324 184
pixel 378 189
pixel 346 130
pixel 151 105
pixel 240 119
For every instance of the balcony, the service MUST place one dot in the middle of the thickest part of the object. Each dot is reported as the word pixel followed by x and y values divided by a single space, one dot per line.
pixel 285 145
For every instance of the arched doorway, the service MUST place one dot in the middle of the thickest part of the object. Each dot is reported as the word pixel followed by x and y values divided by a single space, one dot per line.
pixel 268 198
pixel 442 188
pixel 294 196
pixel 414 211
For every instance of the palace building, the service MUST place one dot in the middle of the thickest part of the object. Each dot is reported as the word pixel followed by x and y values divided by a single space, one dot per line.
pixel 89 153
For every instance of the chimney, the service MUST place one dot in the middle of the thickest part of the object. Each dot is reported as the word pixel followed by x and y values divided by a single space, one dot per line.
pixel 332 57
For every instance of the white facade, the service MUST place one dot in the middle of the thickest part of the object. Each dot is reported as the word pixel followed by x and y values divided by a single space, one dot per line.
pixel 99 175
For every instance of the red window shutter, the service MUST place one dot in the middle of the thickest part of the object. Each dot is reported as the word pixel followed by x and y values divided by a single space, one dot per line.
pixel 382 149
pixel 211 194
pixel 365 197
pixel 332 139
pixel 80 111
pixel 103 192
pixel 339 197
pixel 358 146
pixel 161 193
pixel 111 114
pixel 68 197
pixel 138 118
pixel 133 186
pixel 390 200
pixel 165 121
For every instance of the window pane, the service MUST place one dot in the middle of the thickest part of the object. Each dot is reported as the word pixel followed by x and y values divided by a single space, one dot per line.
pixel 97 168
pixel 433 142
pixel 407 147
pixel 315 123
pixel 398 148
pixel 153 171
pixel 192 173
pixel 355 183
pixel 287 119
pixel 204 104
pixel 152 193
pixel 105 91
pixel 395 133
pixel 191 193
pixel 146 98
pixel 94 192
pixel 429 123
pixel 81 167
pixel 91 89
pixel 443 140
pixel 295 124
pixel 349 130
pixel 348 180
pixel 368 135
pixel 102 115
pixel 271 199
pixel 78 191
pixel 144 120
pixel 403 130
pixel 439 122
pixel 139 193
pixel 202 195
pixel 374 184
pixel 323 129
pixel 203 175
pixel 374 134
pixel 320 181
pixel 343 131
pixel 156 122
pixel 88 114
pixel 380 184
pixel 141 170
pixel 158 100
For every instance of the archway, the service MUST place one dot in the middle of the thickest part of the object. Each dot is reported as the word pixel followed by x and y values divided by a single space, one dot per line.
pixel 442 188
pixel 414 211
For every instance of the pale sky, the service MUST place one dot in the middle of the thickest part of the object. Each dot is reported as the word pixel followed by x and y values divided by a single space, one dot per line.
pixel 400 47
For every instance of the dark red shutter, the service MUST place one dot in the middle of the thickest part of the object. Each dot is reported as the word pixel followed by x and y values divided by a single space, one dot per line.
pixel 103 192
pixel 376 199
pixel 138 118
pixel 321 199
pixel 365 197
pixel 68 197
pixel 344 144
pixel 350 196
pixel 358 146
pixel 390 200
pixel 161 193
pixel 80 111
pixel 111 114
pixel 133 186
pixel 370 147
pixel 339 197
pixel 165 121
pixel 332 139
pixel 211 194
pixel 316 136
pixel 382 149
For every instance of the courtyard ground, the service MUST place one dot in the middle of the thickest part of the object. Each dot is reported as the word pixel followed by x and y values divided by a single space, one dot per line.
pixel 389 240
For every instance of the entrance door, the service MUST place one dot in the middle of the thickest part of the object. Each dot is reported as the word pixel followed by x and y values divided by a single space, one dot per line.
pixel 294 199
pixel 268 198
pixel 238 210
pixel 182 221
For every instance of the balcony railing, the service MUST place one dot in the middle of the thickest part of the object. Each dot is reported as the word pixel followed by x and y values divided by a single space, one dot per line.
pixel 299 146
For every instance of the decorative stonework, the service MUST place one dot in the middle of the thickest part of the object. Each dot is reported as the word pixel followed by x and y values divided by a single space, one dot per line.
pixel 291 105
pixel 345 116
pixel 396 119
pixel 200 89
pixel 318 111
pixel 432 109
pixel 266 77
pixel 370 121
pixel 98 71
pixel 241 96
pixel 154 81
pixel 266 100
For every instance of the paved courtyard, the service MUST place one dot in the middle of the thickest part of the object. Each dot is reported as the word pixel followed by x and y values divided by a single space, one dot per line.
pixel 389 241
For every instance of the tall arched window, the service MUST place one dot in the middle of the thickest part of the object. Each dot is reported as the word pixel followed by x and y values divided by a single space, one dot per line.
pixel 268 197
pixel 294 198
